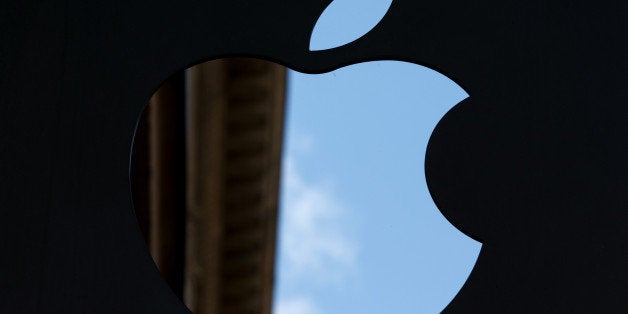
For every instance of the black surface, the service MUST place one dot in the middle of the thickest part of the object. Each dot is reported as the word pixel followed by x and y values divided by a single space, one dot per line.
pixel 533 164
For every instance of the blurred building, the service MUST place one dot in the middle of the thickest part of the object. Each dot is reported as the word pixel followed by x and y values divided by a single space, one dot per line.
pixel 205 175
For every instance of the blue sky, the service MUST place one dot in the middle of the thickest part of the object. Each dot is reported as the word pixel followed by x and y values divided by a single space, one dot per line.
pixel 358 230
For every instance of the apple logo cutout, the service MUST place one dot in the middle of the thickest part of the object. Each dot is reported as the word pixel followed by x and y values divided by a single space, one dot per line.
pixel 373 121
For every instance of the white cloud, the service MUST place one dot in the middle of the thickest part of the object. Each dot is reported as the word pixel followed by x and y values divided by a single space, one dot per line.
pixel 296 306
pixel 315 236
pixel 316 247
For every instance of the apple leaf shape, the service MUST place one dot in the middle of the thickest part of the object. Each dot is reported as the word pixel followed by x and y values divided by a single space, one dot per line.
pixel 345 21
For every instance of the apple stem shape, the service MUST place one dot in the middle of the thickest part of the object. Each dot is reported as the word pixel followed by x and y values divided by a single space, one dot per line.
pixel 345 21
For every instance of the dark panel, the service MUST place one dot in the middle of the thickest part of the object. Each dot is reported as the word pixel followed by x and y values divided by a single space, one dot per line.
pixel 533 164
